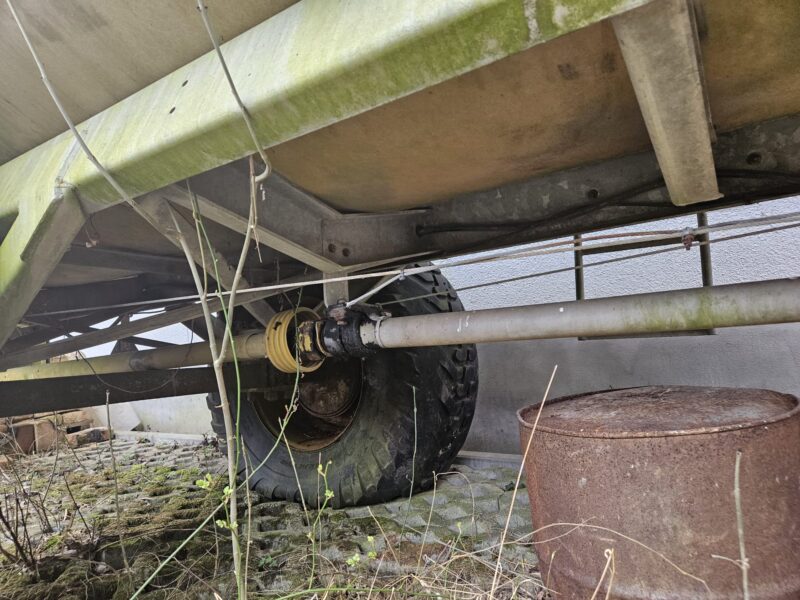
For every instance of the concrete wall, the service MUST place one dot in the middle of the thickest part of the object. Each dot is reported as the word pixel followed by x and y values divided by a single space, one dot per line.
pixel 513 375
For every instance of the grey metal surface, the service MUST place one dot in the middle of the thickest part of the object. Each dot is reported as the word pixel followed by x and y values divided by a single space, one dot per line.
pixel 178 229
pixel 81 391
pixel 288 219
pixel 662 53
pixel 249 346
pixel 758 303
pixel 98 53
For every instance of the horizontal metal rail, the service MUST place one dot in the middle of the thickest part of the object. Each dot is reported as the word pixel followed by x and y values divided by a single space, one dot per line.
pixel 62 393
pixel 248 346
pixel 759 303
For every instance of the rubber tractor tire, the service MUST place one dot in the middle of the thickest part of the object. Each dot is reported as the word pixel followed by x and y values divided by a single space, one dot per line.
pixel 364 429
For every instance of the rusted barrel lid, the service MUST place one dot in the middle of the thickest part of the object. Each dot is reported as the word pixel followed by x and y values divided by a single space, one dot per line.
pixel 661 411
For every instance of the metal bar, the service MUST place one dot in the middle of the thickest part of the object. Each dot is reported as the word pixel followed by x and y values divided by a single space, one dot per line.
pixel 633 246
pixel 39 336
pixel 248 346
pixel 173 226
pixel 64 393
pixel 288 220
pixel 141 341
pixel 112 334
pixel 126 260
pixel 760 303
pixel 661 50
pixel 88 297
pixel 198 327
pixel 706 270
pixel 336 291
pixel 578 262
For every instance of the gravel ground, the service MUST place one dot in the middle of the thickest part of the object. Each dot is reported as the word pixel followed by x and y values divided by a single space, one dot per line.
pixel 61 509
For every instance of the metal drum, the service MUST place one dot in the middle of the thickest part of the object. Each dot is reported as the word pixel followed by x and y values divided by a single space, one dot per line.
pixel 637 489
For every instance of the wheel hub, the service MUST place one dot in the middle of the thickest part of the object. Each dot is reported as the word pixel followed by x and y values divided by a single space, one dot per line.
pixel 332 391
pixel 327 400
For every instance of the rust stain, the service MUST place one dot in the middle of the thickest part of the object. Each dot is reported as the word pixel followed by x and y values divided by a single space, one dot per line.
pixel 656 465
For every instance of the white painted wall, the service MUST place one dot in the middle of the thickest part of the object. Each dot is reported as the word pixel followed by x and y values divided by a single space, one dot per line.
pixel 513 375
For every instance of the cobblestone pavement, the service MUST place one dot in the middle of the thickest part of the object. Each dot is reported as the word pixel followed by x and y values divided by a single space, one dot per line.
pixel 61 510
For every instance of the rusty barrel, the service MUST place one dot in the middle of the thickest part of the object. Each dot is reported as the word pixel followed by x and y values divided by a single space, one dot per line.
pixel 636 488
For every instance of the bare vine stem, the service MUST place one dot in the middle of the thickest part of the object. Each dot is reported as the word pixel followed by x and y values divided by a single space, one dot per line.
pixel 230 436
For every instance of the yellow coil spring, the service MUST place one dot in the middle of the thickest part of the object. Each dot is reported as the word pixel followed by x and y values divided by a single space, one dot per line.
pixel 278 348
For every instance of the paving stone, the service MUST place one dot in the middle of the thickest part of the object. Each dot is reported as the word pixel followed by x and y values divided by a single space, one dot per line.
pixel 455 511
pixel 161 503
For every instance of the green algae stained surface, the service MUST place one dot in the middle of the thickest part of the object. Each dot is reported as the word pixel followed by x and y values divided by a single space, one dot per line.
pixel 309 66
pixel 557 17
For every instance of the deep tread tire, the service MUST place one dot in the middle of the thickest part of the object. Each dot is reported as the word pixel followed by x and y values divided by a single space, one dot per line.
pixel 372 460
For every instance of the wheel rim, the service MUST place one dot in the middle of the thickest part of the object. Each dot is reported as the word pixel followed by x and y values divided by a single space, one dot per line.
pixel 328 400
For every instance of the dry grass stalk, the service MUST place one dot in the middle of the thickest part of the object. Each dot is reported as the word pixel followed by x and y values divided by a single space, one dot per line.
pixel 519 478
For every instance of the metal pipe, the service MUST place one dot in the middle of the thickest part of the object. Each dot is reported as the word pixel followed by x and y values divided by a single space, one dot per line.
pixel 759 303
pixel 249 346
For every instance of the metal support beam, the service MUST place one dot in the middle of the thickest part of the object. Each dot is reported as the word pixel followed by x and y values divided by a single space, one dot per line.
pixel 104 336
pixel 301 226
pixel 706 270
pixel 54 329
pixel 135 262
pixel 661 50
pixel 117 332
pixel 64 393
pixel 335 292
pixel 173 226
pixel 577 255
pixel 288 220
pixel 760 303
pixel 33 247
pixel 248 346
pixel 91 297
pixel 198 327
pixel 616 192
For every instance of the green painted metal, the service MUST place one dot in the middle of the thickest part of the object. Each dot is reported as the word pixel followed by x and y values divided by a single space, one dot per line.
pixel 312 65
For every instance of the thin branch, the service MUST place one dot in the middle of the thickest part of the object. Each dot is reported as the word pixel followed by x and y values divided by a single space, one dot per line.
pixel 230 437
pixel 75 504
